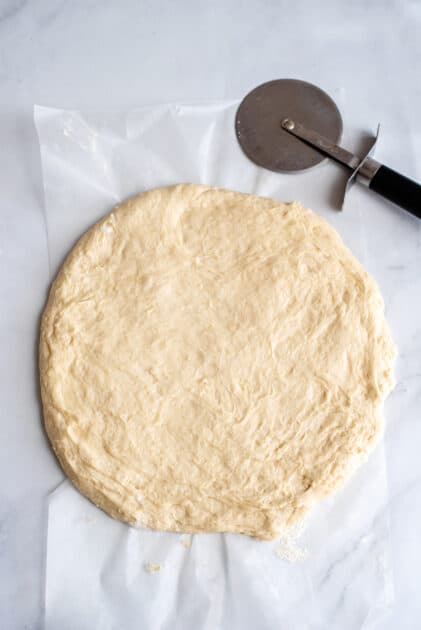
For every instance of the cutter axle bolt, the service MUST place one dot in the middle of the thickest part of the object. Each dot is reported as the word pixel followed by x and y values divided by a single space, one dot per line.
pixel 287 123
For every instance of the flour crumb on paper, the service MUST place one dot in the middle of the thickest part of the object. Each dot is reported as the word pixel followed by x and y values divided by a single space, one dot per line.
pixel 153 568
pixel 186 542
pixel 289 548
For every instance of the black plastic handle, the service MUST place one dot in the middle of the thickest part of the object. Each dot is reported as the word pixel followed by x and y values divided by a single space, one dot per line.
pixel 397 188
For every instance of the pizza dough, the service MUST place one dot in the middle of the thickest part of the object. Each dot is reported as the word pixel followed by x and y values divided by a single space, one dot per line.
pixel 212 361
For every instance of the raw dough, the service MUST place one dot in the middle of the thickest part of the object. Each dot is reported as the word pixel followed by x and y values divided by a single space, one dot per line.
pixel 212 361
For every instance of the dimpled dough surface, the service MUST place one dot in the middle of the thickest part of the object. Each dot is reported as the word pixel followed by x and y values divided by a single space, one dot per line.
pixel 212 361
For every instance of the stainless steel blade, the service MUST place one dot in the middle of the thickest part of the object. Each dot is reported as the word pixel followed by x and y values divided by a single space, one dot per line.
pixel 321 143
pixel 258 124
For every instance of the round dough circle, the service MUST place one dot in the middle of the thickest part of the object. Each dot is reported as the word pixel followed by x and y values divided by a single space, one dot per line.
pixel 212 361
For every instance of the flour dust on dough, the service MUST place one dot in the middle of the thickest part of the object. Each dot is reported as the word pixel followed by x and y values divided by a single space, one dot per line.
pixel 212 361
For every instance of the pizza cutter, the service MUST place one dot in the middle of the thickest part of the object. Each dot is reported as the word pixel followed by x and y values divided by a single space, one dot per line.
pixel 289 125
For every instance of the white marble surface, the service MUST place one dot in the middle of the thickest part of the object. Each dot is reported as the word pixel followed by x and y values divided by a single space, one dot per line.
pixel 103 54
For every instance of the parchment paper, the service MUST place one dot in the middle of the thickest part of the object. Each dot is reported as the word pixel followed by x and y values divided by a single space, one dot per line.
pixel 95 566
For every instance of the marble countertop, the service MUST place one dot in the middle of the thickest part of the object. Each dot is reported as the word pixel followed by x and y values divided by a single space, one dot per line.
pixel 108 55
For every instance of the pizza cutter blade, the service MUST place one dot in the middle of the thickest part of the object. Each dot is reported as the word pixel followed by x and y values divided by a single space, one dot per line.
pixel 290 125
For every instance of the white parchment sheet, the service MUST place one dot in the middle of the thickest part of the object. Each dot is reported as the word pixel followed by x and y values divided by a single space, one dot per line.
pixel 95 566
